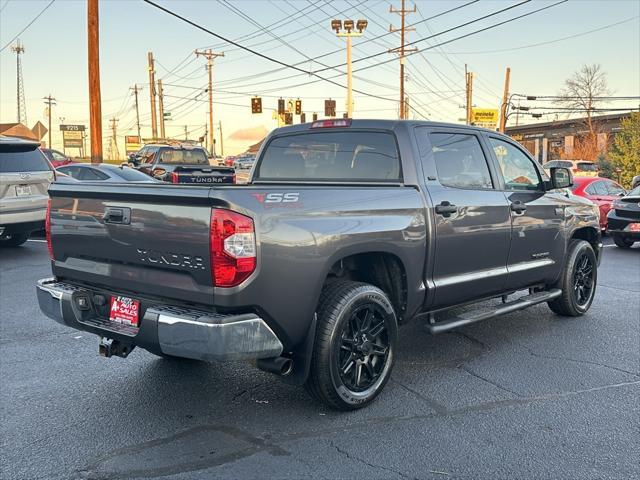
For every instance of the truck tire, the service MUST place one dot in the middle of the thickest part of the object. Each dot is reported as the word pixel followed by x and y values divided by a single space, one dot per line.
pixel 577 281
pixel 354 348
pixel 14 240
pixel 622 242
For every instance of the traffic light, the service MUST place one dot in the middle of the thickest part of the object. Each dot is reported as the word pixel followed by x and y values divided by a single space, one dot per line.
pixel 280 106
pixel 303 118
pixel 329 108
pixel 298 107
pixel 256 105
pixel 288 118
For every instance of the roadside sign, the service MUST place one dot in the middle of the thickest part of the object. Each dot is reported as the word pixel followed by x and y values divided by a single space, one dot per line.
pixel 485 117
pixel 132 144
pixel 72 136
pixel 39 130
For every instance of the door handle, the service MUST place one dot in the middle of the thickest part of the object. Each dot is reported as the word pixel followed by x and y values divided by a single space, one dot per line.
pixel 121 215
pixel 446 209
pixel 518 206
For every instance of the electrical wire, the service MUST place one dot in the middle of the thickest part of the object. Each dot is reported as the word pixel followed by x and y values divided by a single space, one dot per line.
pixel 28 24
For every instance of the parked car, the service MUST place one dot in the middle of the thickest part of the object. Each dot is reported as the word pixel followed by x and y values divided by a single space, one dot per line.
pixel 56 158
pixel 579 168
pixel 244 162
pixel 601 191
pixel 228 161
pixel 345 230
pixel 25 175
pixel 180 163
pixel 104 172
pixel 635 182
pixel 624 219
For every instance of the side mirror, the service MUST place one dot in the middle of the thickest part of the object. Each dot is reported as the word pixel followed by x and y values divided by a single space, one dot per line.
pixel 561 177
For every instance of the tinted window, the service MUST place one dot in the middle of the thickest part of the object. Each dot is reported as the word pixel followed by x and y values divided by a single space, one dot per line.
pixel 24 161
pixel 614 189
pixel 597 188
pixel 332 156
pixel 71 171
pixel 128 174
pixel 193 157
pixel 90 174
pixel 518 170
pixel 460 161
pixel 587 167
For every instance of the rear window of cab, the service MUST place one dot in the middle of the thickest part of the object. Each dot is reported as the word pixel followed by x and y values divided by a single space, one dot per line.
pixel 335 156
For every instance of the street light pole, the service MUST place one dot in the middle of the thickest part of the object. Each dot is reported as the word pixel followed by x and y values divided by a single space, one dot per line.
pixel 349 32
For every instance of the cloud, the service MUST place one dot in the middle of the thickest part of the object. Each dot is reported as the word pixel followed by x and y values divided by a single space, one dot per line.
pixel 253 134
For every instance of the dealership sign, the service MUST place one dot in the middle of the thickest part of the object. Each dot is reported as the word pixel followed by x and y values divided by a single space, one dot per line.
pixel 132 144
pixel 72 135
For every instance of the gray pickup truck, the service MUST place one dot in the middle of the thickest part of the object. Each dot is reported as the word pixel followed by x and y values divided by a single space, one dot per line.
pixel 345 230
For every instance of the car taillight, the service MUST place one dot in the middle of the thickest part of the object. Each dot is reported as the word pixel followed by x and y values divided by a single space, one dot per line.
pixel 174 177
pixel 47 229
pixel 233 248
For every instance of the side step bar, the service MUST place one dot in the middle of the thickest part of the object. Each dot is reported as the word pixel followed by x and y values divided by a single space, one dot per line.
pixel 513 306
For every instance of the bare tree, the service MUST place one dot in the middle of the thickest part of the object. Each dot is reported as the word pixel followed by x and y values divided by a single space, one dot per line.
pixel 583 92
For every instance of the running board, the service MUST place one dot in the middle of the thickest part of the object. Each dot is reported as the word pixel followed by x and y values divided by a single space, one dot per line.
pixel 513 306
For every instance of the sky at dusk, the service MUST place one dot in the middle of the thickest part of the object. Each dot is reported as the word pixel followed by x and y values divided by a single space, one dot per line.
pixel 537 48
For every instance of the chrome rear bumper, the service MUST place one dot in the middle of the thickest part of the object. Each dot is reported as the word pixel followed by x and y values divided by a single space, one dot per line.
pixel 173 330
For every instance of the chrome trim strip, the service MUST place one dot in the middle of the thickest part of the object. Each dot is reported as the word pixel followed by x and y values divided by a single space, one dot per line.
pixel 520 267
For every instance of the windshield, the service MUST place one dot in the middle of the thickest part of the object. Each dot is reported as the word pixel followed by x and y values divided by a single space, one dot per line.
pixel 332 156
pixel 190 157
pixel 587 167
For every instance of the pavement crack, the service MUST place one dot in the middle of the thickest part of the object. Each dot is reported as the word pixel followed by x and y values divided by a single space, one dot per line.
pixel 364 462
pixel 491 382
pixel 435 406
pixel 575 360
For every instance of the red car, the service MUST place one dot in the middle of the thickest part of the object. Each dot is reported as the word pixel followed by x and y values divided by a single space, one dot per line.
pixel 56 158
pixel 601 191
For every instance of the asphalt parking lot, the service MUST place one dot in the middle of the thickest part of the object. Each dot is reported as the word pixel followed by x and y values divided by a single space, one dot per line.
pixel 529 395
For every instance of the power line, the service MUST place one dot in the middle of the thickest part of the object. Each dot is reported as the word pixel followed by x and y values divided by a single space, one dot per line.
pixel 28 24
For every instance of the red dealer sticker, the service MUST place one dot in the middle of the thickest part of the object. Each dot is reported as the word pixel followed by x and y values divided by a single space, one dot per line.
pixel 124 310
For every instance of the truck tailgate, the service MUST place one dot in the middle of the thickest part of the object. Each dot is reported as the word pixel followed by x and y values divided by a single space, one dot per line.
pixel 120 235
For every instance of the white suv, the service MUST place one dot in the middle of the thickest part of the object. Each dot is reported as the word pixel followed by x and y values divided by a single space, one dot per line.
pixel 25 175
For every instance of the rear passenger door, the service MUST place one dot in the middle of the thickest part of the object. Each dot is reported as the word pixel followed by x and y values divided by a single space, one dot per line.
pixel 470 216
pixel 537 216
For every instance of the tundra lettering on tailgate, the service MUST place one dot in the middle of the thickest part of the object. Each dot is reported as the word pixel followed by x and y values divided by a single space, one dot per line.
pixel 168 258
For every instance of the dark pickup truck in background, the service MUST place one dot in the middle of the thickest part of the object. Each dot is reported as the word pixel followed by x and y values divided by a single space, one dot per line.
pixel 345 230
pixel 178 162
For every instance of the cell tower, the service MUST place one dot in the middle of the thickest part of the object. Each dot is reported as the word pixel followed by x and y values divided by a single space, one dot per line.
pixel 22 106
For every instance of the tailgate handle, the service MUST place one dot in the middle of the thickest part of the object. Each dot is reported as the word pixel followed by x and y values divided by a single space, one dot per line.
pixel 121 215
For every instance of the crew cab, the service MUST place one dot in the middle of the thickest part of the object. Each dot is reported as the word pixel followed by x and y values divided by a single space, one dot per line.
pixel 345 230
pixel 180 162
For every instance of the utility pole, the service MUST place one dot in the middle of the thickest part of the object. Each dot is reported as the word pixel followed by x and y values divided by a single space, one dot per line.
pixel 210 55
pixel 135 93
pixel 49 102
pixel 161 108
pixel 152 95
pixel 185 133
pixel 95 102
pixel 114 153
pixel 402 50
pixel 349 32
pixel 469 94
pixel 221 145
pixel 22 106
pixel 505 101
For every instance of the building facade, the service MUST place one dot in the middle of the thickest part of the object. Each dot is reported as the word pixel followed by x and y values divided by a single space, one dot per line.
pixel 552 140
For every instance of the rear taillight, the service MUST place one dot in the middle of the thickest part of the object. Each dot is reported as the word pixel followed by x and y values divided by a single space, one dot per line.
pixel 174 177
pixel 47 229
pixel 345 122
pixel 233 248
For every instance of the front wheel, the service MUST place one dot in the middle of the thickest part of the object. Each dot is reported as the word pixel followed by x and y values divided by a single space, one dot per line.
pixel 577 281
pixel 355 344
pixel 622 242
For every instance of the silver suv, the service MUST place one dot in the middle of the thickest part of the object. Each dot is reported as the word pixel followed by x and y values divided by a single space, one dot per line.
pixel 25 175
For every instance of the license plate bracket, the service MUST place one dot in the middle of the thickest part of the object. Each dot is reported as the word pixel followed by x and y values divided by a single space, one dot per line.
pixel 124 310
pixel 23 190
